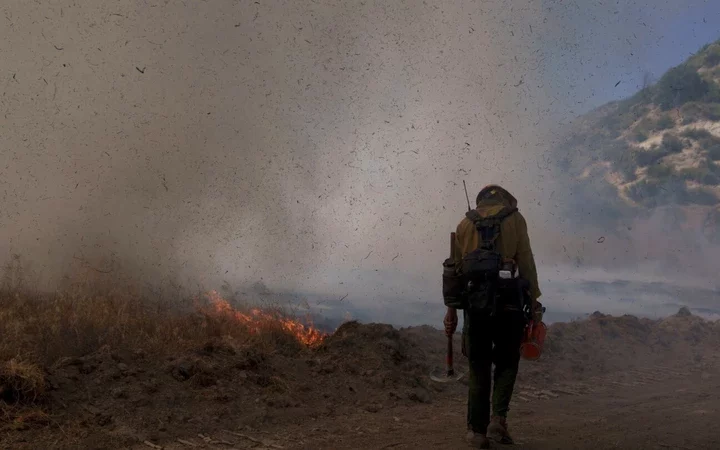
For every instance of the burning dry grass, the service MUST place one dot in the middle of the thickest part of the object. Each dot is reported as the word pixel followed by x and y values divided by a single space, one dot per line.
pixel 259 322
pixel 44 331
pixel 45 328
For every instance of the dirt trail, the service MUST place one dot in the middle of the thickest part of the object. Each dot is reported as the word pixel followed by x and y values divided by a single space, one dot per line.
pixel 656 407
pixel 675 414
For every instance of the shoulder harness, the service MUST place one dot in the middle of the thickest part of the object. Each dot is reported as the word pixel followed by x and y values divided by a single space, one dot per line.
pixel 488 227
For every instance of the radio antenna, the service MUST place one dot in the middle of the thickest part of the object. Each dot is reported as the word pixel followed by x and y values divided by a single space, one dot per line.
pixel 466 195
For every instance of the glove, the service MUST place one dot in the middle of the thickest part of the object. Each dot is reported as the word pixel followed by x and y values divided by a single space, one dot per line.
pixel 537 315
pixel 450 322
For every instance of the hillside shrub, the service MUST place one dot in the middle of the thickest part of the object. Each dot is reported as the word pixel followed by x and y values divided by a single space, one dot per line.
pixel 616 123
pixel 710 179
pixel 680 85
pixel 647 157
pixel 713 95
pixel 712 55
pixel 671 143
pixel 643 191
pixel 664 122
pixel 626 166
pixel 639 136
pixel 615 150
pixel 696 111
pixel 659 171
pixel 714 152
pixel 698 134
pixel 696 174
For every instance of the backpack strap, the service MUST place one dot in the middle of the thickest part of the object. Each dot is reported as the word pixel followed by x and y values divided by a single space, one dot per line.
pixel 488 227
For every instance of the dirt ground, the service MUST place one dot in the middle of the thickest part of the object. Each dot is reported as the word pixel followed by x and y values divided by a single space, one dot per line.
pixel 656 407
pixel 606 382
pixel 677 412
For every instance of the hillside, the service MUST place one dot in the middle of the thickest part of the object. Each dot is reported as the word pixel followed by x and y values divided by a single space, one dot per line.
pixel 657 149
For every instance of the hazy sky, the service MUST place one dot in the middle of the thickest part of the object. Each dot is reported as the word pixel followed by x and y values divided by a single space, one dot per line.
pixel 597 44
pixel 307 143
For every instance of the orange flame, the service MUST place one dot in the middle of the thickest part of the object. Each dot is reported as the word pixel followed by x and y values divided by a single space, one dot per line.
pixel 257 320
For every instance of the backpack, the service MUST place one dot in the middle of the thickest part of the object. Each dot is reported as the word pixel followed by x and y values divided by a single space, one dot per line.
pixel 481 267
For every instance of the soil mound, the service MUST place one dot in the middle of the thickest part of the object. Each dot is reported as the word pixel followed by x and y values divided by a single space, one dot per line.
pixel 604 344
pixel 382 361
pixel 358 349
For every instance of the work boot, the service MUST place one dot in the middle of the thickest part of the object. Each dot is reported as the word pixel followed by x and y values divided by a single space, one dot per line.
pixel 498 431
pixel 477 440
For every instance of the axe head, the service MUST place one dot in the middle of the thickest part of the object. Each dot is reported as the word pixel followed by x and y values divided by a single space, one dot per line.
pixel 446 375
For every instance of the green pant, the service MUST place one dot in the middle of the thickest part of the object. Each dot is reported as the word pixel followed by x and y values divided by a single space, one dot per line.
pixel 489 340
